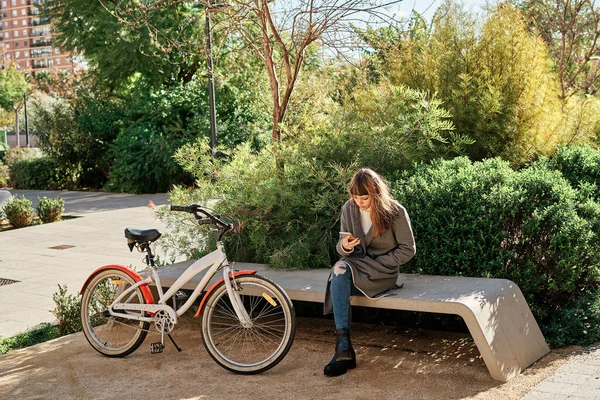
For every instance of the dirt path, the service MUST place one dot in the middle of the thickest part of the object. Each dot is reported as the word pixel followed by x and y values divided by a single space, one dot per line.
pixel 391 365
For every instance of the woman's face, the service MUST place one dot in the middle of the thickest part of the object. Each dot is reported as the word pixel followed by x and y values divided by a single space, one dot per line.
pixel 363 202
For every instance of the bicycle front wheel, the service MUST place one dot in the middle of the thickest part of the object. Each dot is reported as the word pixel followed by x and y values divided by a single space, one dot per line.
pixel 254 349
pixel 111 335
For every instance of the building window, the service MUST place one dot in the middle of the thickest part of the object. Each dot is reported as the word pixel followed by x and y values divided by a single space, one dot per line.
pixel 24 32
pixel 23 11
pixel 27 63
pixel 15 23
pixel 3 4
pixel 16 33
pixel 14 13
pixel 24 22
pixel 8 56
pixel 58 61
pixel 18 54
pixel 25 42
pixel 7 46
pixel 16 44
pixel 5 35
pixel 22 1
pixel 56 51
pixel 26 54
pixel 14 2
pixel 5 24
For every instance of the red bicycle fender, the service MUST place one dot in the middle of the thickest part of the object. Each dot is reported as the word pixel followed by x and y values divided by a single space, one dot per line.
pixel 213 287
pixel 134 275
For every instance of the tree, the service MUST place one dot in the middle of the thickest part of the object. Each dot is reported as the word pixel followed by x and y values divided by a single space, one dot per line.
pixel 277 32
pixel 13 88
pixel 118 52
pixel 571 29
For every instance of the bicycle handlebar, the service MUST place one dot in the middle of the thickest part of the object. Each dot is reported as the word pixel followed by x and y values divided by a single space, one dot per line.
pixel 200 213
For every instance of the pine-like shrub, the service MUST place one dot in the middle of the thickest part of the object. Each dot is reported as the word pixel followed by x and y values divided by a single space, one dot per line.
pixel 289 217
pixel 18 211
pixel 50 210
pixel 483 219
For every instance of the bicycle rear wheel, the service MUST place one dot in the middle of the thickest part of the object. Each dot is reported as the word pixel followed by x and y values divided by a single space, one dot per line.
pixel 257 348
pixel 110 335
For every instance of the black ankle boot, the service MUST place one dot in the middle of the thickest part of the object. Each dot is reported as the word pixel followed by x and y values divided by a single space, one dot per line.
pixel 337 368
pixel 343 346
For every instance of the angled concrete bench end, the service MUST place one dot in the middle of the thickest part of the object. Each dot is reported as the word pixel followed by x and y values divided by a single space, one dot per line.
pixel 494 310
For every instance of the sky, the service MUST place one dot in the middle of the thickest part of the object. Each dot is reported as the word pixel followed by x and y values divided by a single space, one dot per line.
pixel 427 7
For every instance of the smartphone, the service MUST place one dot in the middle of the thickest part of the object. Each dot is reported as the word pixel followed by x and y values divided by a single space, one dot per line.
pixel 342 234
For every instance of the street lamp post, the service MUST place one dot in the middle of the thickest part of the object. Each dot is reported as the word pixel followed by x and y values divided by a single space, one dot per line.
pixel 211 84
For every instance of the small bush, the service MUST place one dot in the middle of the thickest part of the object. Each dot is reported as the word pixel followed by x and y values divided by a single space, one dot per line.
pixel 4 175
pixel 50 210
pixel 67 311
pixel 18 211
pixel 41 174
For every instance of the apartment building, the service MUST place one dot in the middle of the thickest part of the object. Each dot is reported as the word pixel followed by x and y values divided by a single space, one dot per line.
pixel 26 38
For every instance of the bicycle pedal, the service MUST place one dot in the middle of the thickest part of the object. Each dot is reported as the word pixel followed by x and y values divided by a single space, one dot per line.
pixel 181 296
pixel 156 348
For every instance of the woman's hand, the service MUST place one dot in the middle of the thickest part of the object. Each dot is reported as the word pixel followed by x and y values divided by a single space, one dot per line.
pixel 349 242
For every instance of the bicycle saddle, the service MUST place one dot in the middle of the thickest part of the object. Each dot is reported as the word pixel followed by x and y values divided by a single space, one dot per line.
pixel 142 235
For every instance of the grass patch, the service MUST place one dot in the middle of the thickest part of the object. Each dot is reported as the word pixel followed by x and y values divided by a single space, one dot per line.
pixel 43 333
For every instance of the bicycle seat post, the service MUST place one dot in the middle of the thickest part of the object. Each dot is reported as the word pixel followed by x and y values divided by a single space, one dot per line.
pixel 150 256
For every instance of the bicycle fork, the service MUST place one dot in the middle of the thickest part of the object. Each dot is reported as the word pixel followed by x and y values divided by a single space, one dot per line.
pixel 234 297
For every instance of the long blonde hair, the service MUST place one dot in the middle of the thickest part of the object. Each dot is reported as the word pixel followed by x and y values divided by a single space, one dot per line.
pixel 383 208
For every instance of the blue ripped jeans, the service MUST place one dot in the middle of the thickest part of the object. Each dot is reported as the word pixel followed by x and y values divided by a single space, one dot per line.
pixel 342 288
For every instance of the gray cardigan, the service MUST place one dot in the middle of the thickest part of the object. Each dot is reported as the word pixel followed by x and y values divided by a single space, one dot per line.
pixel 374 262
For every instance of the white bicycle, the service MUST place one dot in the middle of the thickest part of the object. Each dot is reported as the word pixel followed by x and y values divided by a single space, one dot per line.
pixel 248 322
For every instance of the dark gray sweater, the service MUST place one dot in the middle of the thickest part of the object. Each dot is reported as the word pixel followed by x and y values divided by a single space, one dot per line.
pixel 374 262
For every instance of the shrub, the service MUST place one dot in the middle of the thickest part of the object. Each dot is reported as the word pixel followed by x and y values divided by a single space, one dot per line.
pixel 484 219
pixel 580 165
pixel 4 175
pixel 289 217
pixel 67 310
pixel 50 210
pixel 41 174
pixel 143 162
pixel 18 211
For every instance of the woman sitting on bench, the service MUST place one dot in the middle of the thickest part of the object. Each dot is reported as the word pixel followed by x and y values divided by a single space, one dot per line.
pixel 375 238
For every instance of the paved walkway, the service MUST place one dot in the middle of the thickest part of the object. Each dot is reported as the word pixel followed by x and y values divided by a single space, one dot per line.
pixel 28 256
pixel 97 239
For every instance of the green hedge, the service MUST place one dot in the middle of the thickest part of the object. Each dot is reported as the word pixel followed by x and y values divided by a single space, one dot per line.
pixel 483 219
pixel 41 174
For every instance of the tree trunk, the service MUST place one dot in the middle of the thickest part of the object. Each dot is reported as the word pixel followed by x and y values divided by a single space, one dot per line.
pixel 17 127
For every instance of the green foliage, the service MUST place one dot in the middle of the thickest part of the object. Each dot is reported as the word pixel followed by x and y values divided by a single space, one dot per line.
pixel 383 126
pixel 119 52
pixel 41 174
pixel 143 161
pixel 35 336
pixel 4 175
pixel 13 87
pixel 580 165
pixel 494 79
pixel 18 211
pixel 67 309
pixel 484 219
pixel 50 210
pixel 15 154
pixel 288 217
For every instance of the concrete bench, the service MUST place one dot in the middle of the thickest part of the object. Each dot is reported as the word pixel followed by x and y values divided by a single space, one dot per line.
pixel 494 310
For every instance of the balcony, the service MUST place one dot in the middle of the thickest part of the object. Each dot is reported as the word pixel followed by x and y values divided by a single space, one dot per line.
pixel 41 33
pixel 42 21
pixel 40 43
pixel 41 53
pixel 38 2
pixel 43 64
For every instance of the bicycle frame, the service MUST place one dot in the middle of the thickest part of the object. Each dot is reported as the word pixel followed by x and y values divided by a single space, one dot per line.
pixel 213 261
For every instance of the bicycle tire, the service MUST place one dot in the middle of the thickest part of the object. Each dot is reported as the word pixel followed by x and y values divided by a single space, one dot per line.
pixel 274 326
pixel 109 335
